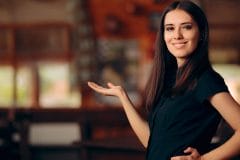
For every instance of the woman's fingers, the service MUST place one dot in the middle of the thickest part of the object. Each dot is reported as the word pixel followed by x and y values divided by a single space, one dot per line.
pixel 111 91
pixel 110 85
pixel 192 151
pixel 189 150
pixel 193 155
pixel 93 85
pixel 97 88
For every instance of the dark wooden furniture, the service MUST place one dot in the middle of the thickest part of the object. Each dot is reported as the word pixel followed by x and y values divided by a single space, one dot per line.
pixel 105 134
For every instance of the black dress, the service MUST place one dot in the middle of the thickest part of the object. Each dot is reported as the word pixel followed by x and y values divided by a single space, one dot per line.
pixel 186 120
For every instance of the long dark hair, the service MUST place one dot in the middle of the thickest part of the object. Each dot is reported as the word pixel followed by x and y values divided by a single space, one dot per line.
pixel 163 61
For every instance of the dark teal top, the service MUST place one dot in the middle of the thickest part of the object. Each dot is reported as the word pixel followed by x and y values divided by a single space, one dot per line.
pixel 187 120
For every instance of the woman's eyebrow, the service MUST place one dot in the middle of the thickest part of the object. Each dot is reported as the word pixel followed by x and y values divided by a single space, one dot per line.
pixel 171 24
pixel 168 24
pixel 186 23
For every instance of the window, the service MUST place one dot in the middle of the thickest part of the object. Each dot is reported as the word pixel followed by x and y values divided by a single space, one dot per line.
pixel 6 86
pixel 231 75
pixel 24 87
pixel 53 90
pixel 35 67
pixel 55 86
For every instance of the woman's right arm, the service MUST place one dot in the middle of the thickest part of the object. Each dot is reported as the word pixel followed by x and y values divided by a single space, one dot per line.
pixel 138 124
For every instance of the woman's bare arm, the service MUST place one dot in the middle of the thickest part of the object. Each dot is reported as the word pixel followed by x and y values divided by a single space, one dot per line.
pixel 230 111
pixel 138 124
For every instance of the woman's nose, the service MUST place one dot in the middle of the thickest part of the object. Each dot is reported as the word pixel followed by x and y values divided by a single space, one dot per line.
pixel 178 34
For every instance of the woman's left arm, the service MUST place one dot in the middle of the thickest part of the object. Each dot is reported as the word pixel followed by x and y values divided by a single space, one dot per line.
pixel 230 111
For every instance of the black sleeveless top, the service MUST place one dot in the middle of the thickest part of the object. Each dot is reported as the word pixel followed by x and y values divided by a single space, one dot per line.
pixel 187 120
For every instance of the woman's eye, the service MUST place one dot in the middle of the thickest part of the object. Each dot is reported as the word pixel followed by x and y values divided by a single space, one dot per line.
pixel 187 27
pixel 169 28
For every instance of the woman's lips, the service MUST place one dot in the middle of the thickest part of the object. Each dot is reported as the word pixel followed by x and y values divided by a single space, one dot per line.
pixel 179 45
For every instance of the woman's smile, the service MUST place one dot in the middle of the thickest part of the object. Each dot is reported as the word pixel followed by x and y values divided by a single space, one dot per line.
pixel 179 45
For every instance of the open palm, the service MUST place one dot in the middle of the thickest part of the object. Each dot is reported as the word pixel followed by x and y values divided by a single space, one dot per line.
pixel 112 90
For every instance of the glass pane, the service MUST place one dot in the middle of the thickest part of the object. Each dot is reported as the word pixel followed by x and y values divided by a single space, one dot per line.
pixel 6 86
pixel 55 88
pixel 24 83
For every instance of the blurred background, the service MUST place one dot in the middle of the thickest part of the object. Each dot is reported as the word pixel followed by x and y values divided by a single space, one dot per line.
pixel 49 49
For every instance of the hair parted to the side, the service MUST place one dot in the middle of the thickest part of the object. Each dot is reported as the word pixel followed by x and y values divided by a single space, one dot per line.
pixel 193 67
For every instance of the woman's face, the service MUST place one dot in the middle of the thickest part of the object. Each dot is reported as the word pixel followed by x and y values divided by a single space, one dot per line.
pixel 181 34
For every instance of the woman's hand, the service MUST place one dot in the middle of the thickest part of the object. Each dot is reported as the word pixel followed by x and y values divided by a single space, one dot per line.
pixel 112 90
pixel 139 125
pixel 193 155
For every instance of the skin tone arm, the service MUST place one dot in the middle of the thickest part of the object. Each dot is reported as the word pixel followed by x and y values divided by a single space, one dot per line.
pixel 230 111
pixel 139 125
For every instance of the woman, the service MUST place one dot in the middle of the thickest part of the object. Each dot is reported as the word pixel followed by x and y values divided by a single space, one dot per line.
pixel 185 97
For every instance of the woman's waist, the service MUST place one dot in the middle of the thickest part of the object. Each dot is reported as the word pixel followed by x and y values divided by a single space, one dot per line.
pixel 175 144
